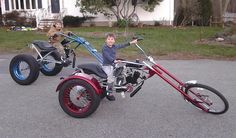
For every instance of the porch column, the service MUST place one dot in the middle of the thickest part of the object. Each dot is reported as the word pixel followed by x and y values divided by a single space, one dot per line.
pixel 36 4
pixel 30 2
pixel 2 9
pixel 49 6
pixel 19 4
pixel 14 4
pixel 24 4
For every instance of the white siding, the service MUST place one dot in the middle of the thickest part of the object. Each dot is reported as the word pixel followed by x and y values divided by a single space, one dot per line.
pixel 162 12
pixel 3 6
pixel 71 9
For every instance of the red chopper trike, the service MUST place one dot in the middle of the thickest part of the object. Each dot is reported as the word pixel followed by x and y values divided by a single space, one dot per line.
pixel 81 92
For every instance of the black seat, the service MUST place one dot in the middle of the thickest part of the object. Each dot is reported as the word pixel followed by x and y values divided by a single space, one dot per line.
pixel 43 45
pixel 92 68
pixel 133 65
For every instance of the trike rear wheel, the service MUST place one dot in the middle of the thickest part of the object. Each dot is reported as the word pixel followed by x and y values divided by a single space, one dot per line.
pixel 78 98
pixel 207 98
pixel 24 69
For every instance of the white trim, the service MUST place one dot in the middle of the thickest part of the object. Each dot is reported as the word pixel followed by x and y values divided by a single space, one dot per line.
pixel 3 6
pixel 30 3
pixel 170 7
pixel 19 5
pixel 36 4
pixel 14 5
pixel 162 13
pixel 10 5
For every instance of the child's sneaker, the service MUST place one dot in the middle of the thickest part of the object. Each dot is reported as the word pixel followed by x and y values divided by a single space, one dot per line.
pixel 110 97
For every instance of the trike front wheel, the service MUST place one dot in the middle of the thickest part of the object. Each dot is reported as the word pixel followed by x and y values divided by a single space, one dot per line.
pixel 207 98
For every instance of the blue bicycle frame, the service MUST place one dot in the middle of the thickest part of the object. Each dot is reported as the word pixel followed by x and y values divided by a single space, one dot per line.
pixel 86 44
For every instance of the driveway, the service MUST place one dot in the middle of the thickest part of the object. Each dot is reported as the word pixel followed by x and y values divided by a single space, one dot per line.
pixel 157 111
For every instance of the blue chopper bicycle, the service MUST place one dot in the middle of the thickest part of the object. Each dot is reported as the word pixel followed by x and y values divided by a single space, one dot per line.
pixel 25 68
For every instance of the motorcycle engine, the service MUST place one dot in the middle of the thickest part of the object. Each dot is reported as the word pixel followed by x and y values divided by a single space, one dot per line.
pixel 133 78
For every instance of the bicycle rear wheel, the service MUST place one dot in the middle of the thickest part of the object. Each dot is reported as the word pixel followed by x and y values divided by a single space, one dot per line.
pixel 207 98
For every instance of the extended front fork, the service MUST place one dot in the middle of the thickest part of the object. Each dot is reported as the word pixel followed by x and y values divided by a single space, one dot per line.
pixel 174 82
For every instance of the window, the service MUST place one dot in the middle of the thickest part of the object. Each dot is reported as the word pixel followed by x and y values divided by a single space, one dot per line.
pixel 33 4
pixel 17 4
pixel 6 5
pixel 55 6
pixel 22 4
pixel 27 4
pixel 12 4
pixel 40 4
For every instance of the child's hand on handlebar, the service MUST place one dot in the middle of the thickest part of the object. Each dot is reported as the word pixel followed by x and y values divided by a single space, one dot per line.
pixel 133 41
pixel 117 61
pixel 69 33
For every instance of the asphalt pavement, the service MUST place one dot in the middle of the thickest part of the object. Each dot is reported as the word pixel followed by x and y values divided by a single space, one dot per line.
pixel 157 111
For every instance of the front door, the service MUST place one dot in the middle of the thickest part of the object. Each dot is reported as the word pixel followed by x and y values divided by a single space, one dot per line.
pixel 55 4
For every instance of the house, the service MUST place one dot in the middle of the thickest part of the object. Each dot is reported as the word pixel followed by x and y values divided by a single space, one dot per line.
pixel 0 8
pixel 49 10
pixel 230 14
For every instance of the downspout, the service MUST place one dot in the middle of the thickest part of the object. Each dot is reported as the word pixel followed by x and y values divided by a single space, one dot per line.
pixel 170 12
pixel 1 12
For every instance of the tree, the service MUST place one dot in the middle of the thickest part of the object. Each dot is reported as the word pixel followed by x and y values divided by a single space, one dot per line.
pixel 121 9
pixel 219 9
pixel 223 7
pixel 205 12
pixel 195 12
pixel 187 12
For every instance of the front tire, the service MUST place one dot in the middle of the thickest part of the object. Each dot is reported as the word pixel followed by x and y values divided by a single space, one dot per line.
pixel 78 98
pixel 24 69
pixel 211 100
pixel 50 68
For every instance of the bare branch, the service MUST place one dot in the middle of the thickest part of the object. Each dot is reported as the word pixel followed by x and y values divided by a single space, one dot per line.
pixel 127 11
pixel 122 9
pixel 134 9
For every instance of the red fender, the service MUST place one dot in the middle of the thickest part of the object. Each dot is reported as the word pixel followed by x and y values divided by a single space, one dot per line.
pixel 91 80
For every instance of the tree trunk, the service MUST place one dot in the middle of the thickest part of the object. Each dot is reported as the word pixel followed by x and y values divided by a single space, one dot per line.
pixel 226 6
pixel 221 12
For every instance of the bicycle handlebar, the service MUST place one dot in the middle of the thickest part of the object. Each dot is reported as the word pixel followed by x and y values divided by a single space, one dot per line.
pixel 139 38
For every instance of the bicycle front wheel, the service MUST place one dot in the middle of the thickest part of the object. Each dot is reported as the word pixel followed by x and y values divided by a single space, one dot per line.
pixel 207 98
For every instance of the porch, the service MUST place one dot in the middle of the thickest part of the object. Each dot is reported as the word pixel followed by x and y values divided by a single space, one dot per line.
pixel 45 12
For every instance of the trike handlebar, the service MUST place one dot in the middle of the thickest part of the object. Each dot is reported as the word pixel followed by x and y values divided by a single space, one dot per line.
pixel 139 38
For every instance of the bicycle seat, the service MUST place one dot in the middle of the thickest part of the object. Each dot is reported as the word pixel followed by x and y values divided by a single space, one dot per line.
pixel 43 45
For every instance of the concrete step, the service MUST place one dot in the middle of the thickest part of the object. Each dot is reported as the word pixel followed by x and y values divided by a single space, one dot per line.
pixel 46 23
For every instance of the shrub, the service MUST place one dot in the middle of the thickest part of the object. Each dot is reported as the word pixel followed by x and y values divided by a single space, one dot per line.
pixel 74 21
pixel 1 17
pixel 21 18
pixel 197 11
pixel 234 28
pixel 157 23
pixel 14 18
pixel 205 12
pixel 121 23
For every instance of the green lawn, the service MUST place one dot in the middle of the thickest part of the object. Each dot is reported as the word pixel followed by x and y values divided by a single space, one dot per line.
pixel 159 41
